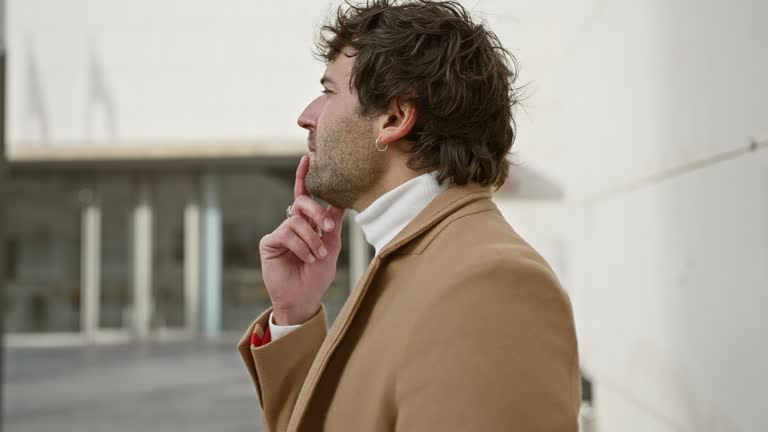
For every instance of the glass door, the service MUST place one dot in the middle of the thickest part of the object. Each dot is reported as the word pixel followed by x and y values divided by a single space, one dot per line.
pixel 115 198
pixel 171 195
pixel 43 256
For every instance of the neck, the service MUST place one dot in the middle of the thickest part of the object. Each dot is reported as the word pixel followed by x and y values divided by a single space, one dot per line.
pixel 394 210
pixel 390 180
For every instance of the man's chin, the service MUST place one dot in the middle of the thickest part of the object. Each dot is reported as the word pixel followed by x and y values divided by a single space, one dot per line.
pixel 314 186
pixel 321 191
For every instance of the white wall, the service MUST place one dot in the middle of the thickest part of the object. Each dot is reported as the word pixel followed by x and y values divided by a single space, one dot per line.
pixel 155 78
pixel 646 114
pixel 112 73
pixel 644 111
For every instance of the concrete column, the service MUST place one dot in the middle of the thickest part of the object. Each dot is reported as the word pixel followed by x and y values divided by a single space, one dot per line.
pixel 90 259
pixel 142 263
pixel 192 258
pixel 212 256
pixel 359 257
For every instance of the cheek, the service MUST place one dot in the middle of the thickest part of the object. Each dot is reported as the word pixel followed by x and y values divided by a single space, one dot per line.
pixel 327 115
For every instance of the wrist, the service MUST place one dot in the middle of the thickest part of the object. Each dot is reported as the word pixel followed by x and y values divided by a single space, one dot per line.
pixel 288 316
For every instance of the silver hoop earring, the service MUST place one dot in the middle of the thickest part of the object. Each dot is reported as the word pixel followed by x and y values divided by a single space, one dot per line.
pixel 378 143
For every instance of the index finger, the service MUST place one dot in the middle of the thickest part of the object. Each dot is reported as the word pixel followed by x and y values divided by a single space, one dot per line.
pixel 299 188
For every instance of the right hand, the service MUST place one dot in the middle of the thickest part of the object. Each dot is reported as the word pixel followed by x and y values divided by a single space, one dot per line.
pixel 296 272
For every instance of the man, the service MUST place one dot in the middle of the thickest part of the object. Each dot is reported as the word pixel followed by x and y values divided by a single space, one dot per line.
pixel 458 324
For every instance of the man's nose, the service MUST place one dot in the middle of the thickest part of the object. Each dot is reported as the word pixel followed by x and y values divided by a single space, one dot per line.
pixel 308 118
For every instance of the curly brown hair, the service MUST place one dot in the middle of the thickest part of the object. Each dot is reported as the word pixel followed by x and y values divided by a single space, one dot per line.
pixel 455 71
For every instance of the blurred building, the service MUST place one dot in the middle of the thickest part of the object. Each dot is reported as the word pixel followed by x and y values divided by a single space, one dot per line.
pixel 152 145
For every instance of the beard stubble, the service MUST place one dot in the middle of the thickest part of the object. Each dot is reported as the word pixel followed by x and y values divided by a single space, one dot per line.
pixel 346 164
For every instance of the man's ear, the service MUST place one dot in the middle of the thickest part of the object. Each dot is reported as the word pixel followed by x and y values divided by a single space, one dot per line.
pixel 399 120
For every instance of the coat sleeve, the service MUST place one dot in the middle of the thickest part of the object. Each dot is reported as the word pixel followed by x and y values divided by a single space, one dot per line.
pixel 494 351
pixel 278 369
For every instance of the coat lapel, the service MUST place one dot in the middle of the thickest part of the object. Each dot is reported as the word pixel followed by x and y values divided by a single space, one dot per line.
pixel 443 205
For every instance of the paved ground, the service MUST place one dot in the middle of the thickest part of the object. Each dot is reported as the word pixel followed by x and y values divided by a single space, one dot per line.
pixel 169 387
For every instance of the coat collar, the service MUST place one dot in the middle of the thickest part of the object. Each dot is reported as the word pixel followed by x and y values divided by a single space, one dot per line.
pixel 394 210
pixel 445 204
pixel 448 202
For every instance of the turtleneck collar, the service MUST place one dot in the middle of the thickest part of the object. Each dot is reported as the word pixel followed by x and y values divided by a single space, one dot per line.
pixel 391 212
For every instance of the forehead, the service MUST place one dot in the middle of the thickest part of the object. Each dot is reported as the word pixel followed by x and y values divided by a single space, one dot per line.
pixel 339 70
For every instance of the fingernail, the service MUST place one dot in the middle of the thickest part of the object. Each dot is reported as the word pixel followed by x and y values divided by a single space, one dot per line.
pixel 328 224
pixel 312 259
pixel 323 252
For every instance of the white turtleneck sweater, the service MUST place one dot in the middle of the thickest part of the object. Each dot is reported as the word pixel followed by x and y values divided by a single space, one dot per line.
pixel 385 218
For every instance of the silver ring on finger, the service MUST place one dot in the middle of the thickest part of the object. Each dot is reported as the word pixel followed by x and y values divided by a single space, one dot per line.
pixel 289 212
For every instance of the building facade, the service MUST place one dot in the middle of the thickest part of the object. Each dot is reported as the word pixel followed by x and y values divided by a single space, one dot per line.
pixel 151 146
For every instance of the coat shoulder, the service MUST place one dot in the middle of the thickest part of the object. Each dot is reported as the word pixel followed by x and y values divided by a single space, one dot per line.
pixel 476 250
pixel 479 235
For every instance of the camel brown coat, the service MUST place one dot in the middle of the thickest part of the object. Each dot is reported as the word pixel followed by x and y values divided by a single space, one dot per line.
pixel 457 325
